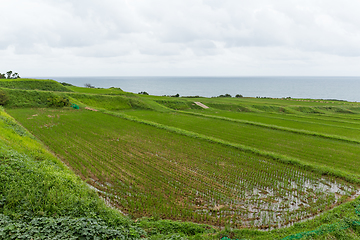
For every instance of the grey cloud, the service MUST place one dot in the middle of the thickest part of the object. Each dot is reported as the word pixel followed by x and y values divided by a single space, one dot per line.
pixel 111 49
pixel 180 31
pixel 297 24
pixel 70 24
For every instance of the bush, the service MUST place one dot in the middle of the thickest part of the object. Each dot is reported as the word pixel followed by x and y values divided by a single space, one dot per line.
pixel 4 98
pixel 58 101
pixel 226 95
pixel 66 84
pixel 88 85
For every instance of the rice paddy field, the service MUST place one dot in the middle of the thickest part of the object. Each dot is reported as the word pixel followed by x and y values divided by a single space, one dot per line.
pixel 149 171
pixel 326 151
pixel 244 163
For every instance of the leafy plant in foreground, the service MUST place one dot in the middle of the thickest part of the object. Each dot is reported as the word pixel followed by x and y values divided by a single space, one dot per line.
pixel 62 228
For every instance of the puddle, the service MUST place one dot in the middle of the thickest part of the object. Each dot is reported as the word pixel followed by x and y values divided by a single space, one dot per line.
pixel 105 196
pixel 281 205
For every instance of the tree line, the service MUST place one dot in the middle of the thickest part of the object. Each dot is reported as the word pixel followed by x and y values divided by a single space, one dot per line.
pixel 9 75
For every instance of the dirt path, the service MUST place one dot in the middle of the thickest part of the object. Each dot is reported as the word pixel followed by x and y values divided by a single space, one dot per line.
pixel 201 105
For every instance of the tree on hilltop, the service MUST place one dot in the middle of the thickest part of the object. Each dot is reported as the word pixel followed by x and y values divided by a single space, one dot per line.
pixel 15 75
pixel 88 85
pixel 9 75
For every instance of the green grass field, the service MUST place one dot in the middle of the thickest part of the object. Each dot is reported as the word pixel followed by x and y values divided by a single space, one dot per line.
pixel 101 91
pixel 151 172
pixel 244 163
pixel 33 84
pixel 311 149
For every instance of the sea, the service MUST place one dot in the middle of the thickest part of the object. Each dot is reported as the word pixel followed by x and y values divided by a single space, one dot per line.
pixel 339 88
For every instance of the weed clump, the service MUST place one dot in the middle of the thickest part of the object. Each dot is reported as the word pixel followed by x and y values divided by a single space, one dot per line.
pixel 4 98
pixel 58 101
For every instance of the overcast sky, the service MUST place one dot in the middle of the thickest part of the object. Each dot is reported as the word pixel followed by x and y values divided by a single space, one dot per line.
pixel 180 37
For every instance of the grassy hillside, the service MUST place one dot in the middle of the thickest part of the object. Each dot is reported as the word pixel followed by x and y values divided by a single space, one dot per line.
pixel 102 91
pixel 28 98
pixel 243 163
pixel 109 102
pixel 33 84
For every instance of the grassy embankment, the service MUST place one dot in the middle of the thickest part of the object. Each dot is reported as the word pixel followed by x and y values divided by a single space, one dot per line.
pixel 191 167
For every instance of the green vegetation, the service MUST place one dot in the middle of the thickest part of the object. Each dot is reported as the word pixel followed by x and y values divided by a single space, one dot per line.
pixel 309 148
pixel 36 189
pixel 33 84
pixel 4 98
pixel 240 165
pixel 103 91
pixel 109 102
pixel 18 98
pixel 58 101
pixel 192 180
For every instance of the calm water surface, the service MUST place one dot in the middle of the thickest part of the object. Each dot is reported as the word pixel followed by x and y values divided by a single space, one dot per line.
pixel 342 88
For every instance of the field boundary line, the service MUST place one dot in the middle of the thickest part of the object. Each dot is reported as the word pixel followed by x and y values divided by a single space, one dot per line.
pixel 323 170
pixel 274 127
pixel 311 122
pixel 336 119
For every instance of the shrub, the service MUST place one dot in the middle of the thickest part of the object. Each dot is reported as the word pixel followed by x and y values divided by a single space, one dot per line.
pixel 88 85
pixel 58 101
pixel 226 95
pixel 66 84
pixel 4 98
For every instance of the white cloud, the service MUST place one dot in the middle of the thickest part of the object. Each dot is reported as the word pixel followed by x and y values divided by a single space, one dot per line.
pixel 181 37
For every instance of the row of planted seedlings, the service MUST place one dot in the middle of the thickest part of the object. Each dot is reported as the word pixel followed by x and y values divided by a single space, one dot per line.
pixel 310 149
pixel 79 149
pixel 319 119
pixel 333 119
pixel 295 123
pixel 136 197
pixel 174 186
pixel 158 180
pixel 261 204
pixel 218 197
pixel 224 186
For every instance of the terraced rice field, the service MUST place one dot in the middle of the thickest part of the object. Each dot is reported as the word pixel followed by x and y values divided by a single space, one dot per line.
pixel 320 124
pixel 331 152
pixel 148 171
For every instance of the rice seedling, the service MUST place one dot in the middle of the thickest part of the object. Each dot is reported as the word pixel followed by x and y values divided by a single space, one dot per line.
pixel 149 171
